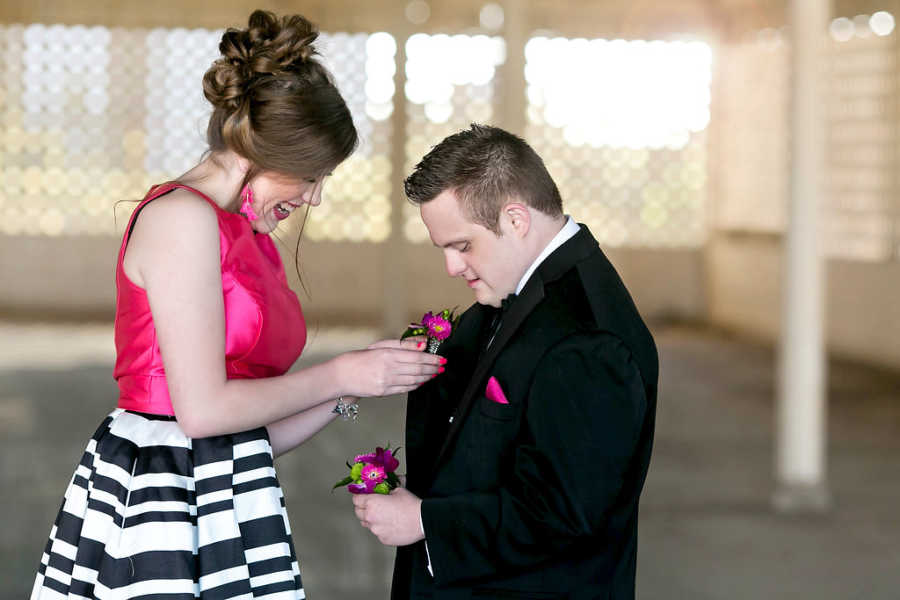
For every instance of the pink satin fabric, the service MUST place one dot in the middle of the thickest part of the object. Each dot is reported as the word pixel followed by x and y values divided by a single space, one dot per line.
pixel 264 327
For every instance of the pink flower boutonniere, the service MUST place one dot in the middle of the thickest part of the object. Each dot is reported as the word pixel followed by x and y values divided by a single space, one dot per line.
pixel 372 473
pixel 435 327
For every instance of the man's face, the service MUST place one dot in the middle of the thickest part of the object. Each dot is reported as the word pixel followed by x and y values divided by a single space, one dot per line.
pixel 491 265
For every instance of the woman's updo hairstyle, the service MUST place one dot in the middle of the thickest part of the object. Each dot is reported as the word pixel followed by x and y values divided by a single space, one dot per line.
pixel 274 103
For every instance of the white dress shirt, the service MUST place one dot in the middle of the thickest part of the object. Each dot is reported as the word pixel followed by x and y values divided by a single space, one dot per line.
pixel 565 234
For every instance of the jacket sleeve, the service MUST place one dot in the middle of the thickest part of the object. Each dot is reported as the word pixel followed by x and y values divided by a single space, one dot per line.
pixel 584 414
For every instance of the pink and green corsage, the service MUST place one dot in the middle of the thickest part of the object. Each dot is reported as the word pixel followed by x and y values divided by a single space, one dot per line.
pixel 372 473
pixel 435 327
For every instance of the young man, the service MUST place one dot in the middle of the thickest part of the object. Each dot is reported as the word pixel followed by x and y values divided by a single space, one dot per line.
pixel 526 459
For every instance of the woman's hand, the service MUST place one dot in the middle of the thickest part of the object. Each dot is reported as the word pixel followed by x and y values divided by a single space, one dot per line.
pixel 416 342
pixel 387 367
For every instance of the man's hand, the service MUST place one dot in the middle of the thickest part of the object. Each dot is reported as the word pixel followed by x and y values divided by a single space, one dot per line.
pixel 394 519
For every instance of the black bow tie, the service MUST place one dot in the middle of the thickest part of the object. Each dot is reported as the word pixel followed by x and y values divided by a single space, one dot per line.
pixel 506 303
pixel 498 317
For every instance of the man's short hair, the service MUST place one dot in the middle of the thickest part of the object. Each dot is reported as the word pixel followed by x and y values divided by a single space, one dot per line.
pixel 487 168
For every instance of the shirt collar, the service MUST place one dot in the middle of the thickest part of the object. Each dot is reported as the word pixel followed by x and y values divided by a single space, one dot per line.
pixel 567 232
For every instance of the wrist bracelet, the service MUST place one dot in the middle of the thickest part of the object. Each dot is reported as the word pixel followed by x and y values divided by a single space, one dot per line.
pixel 347 411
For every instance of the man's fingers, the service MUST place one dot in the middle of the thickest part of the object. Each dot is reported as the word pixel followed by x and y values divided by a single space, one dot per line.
pixel 360 504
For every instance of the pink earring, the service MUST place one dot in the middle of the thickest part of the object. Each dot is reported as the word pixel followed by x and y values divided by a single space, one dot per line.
pixel 246 207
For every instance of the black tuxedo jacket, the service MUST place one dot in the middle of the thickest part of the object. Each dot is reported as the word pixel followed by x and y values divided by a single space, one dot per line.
pixel 537 498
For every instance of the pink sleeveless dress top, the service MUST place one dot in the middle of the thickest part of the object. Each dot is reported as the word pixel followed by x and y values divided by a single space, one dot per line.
pixel 264 327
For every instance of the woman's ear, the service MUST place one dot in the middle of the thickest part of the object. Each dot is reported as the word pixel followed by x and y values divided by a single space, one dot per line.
pixel 242 163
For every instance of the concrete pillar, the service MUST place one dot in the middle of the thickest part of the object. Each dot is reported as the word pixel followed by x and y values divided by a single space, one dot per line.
pixel 512 104
pixel 394 282
pixel 801 413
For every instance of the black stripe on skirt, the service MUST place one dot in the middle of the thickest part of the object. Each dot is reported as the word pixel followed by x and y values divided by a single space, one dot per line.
pixel 152 514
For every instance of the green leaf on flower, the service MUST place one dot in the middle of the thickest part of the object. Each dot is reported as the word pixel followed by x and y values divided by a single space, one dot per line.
pixel 342 482
pixel 382 488
pixel 412 331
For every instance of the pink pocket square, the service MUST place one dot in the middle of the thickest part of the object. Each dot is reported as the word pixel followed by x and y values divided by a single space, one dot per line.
pixel 494 392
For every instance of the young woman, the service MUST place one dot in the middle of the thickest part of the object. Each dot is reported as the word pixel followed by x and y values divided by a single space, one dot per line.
pixel 176 495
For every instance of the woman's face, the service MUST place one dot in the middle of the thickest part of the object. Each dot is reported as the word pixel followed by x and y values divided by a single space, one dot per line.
pixel 276 196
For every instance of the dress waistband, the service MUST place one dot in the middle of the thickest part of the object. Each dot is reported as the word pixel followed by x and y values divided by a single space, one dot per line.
pixel 146 394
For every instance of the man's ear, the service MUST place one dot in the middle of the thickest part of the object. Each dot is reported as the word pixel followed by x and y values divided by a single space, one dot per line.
pixel 519 218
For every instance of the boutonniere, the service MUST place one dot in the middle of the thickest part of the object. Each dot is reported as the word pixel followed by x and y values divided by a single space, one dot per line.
pixel 372 473
pixel 435 327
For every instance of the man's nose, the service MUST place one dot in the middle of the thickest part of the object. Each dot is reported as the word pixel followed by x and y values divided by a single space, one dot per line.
pixel 454 264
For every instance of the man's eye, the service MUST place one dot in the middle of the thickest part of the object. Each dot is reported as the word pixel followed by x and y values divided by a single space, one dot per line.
pixel 465 247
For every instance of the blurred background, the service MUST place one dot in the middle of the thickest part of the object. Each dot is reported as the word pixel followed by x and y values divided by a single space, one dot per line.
pixel 678 131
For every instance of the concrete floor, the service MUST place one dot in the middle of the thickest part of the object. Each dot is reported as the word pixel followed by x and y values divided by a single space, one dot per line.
pixel 706 530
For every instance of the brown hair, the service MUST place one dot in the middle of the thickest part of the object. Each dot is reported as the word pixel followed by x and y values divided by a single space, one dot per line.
pixel 486 167
pixel 274 103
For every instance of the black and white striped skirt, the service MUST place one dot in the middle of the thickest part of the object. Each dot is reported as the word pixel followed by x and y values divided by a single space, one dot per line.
pixel 153 514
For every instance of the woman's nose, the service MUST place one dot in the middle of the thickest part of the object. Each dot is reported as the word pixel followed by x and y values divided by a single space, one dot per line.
pixel 313 194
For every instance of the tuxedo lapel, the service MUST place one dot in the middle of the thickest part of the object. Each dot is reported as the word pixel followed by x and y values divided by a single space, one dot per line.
pixel 429 407
pixel 511 321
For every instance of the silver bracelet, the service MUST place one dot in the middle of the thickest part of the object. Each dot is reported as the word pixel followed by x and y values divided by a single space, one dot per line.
pixel 347 411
